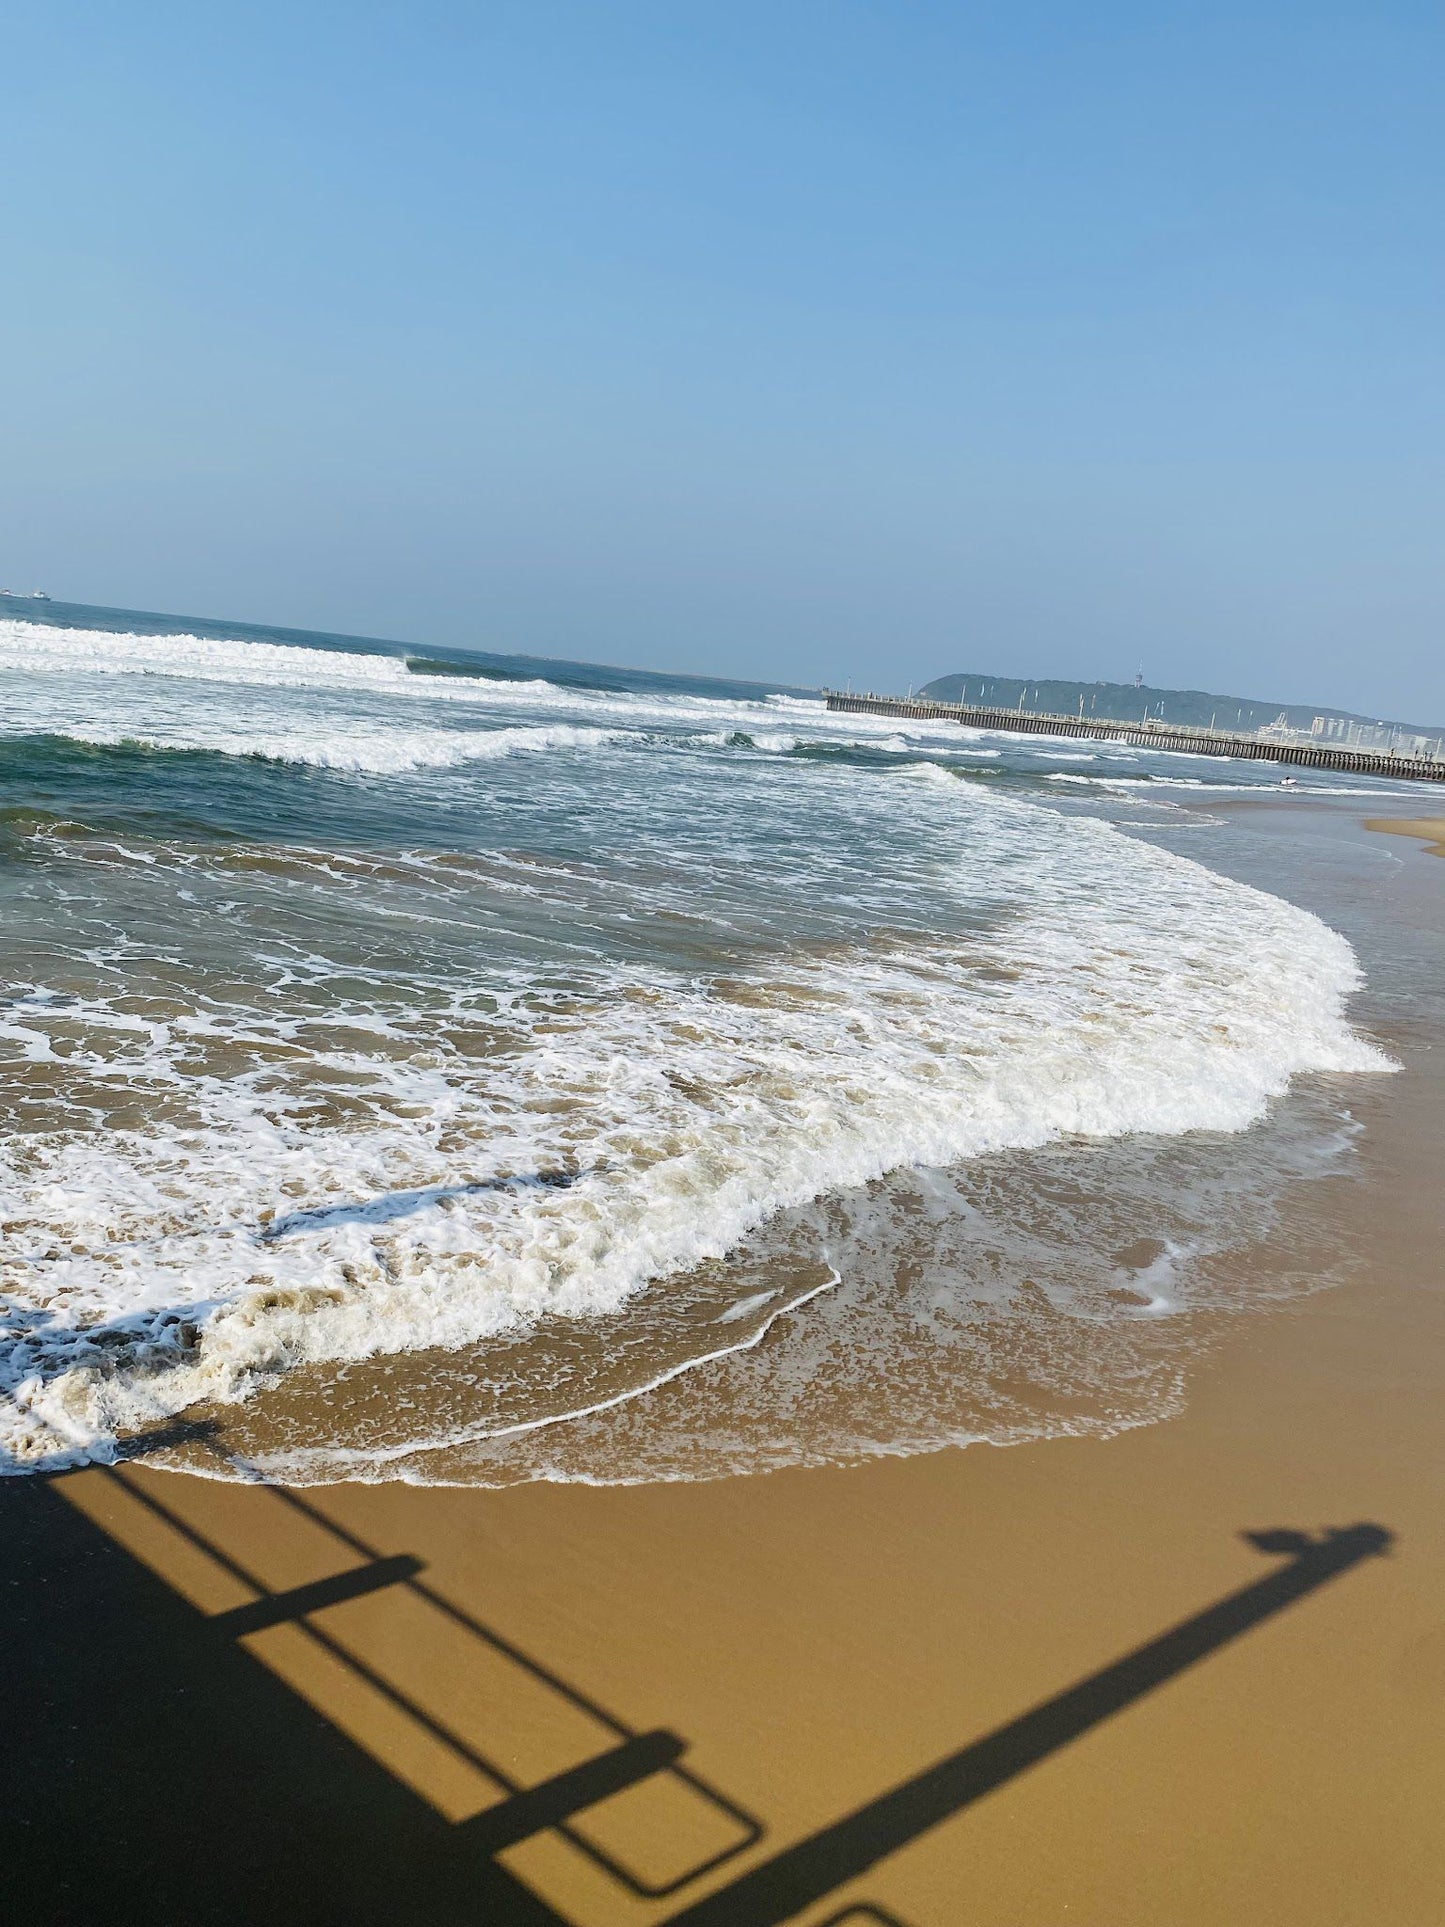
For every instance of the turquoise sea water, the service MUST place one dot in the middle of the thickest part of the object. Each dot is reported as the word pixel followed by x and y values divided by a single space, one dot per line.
pixel 406 1052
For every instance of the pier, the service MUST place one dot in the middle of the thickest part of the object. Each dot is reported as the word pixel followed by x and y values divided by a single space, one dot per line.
pixel 1148 735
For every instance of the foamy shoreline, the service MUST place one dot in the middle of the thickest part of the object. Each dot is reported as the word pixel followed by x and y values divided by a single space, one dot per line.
pixel 820 1638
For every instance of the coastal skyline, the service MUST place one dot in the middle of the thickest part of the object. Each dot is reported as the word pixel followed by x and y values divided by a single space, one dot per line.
pixel 740 343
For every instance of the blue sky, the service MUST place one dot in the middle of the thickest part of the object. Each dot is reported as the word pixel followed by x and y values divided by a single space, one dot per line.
pixel 823 341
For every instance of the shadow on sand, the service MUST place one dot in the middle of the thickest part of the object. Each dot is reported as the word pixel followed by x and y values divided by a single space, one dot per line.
pixel 158 1771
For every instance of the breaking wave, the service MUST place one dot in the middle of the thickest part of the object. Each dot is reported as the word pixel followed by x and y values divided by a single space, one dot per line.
pixel 406 1165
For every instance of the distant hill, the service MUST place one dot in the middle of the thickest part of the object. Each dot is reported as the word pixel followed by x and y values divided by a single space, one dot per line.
pixel 1128 702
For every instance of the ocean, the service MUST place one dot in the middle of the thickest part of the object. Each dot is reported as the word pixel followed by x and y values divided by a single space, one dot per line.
pixel 430 1065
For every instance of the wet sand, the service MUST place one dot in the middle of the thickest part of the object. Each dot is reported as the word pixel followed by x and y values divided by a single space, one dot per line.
pixel 1431 829
pixel 829 1645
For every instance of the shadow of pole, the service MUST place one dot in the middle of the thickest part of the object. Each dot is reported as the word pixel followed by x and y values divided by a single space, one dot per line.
pixel 780 1887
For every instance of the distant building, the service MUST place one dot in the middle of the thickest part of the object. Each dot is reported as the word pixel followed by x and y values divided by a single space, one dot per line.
pixel 1351 734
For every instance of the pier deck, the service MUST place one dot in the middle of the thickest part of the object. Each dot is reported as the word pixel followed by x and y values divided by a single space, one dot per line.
pixel 1148 735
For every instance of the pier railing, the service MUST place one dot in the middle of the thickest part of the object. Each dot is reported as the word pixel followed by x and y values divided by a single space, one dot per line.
pixel 1147 735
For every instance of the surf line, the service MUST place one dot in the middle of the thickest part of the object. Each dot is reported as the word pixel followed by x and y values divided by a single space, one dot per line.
pixel 383 1457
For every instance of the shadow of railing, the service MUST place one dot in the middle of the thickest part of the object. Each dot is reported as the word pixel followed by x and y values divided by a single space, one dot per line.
pixel 162 1438
pixel 781 1887
pixel 554 1804
pixel 69 1457
pixel 772 1890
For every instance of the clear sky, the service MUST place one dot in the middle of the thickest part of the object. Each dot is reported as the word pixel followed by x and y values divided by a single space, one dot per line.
pixel 815 338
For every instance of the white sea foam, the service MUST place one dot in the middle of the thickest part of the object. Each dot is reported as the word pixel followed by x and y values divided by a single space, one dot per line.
pixel 164 666
pixel 324 1180
pixel 347 710
pixel 38 649
pixel 1316 787
pixel 1059 1292
pixel 377 751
